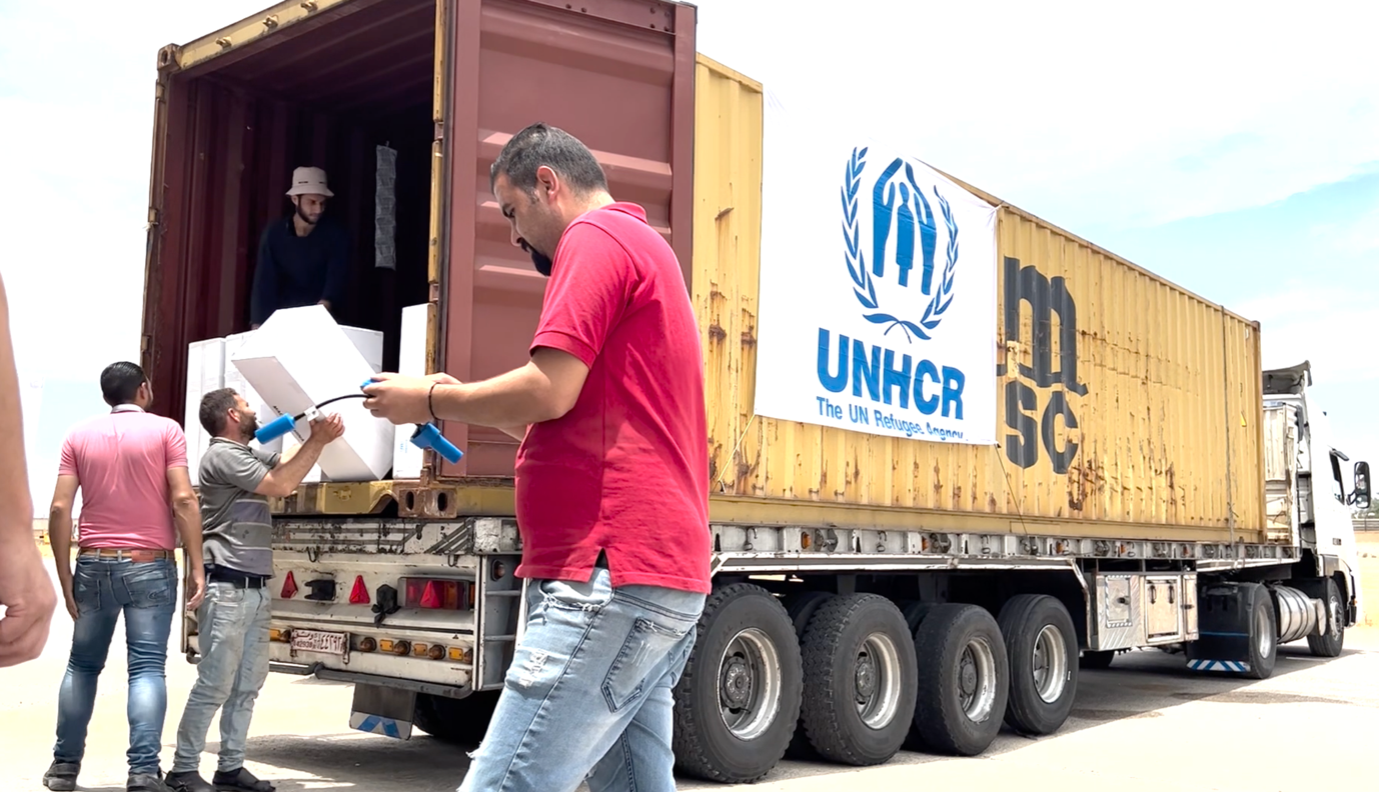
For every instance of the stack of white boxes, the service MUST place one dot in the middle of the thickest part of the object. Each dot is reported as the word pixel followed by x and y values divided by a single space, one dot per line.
pixel 299 358
pixel 413 361
pixel 211 367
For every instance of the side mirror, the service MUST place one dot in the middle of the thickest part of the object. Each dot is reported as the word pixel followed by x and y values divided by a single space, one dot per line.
pixel 1361 496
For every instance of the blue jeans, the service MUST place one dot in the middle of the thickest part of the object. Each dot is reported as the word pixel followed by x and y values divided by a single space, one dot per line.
pixel 146 593
pixel 589 695
pixel 233 631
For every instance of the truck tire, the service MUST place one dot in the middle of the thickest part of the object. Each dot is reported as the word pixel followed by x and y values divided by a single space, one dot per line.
pixel 1330 644
pixel 1097 659
pixel 913 613
pixel 456 720
pixel 963 679
pixel 801 607
pixel 738 700
pixel 860 680
pixel 1041 640
pixel 1263 634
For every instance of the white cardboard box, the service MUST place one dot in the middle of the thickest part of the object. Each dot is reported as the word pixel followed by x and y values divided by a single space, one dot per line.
pixel 300 357
pixel 206 362
pixel 237 382
pixel 413 356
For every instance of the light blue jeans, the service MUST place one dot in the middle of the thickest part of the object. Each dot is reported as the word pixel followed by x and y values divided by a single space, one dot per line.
pixel 233 629
pixel 146 593
pixel 589 695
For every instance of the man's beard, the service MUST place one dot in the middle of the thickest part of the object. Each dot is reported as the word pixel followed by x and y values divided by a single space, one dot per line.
pixel 306 220
pixel 541 262
pixel 248 426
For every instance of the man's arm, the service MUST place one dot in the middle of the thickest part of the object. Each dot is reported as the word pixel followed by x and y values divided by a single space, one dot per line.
pixel 60 533
pixel 25 590
pixel 187 516
pixel 284 478
pixel 542 390
pixel 264 291
pixel 338 271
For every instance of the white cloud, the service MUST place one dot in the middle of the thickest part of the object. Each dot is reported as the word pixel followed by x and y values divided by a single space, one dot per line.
pixel 1082 112
pixel 1352 237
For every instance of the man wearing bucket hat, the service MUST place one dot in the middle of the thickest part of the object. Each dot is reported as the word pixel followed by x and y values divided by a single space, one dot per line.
pixel 303 258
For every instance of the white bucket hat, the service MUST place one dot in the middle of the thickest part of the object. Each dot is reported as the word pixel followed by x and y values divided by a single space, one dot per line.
pixel 309 180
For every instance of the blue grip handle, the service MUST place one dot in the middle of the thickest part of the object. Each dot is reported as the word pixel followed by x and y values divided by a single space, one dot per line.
pixel 277 428
pixel 428 436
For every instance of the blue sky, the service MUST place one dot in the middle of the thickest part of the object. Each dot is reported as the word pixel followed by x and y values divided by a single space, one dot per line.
pixel 1228 147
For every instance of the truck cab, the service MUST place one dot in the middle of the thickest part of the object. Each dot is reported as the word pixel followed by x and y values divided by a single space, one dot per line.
pixel 1311 496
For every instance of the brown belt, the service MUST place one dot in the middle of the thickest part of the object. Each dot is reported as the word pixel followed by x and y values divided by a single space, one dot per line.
pixel 133 554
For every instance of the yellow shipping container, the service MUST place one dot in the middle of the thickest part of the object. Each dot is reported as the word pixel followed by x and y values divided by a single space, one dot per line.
pixel 1139 417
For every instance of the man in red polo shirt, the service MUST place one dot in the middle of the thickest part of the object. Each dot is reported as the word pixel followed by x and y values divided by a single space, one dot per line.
pixel 611 480
pixel 131 467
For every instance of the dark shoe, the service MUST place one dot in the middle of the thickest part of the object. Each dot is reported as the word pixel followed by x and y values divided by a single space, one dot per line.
pixel 146 781
pixel 240 780
pixel 62 776
pixel 186 781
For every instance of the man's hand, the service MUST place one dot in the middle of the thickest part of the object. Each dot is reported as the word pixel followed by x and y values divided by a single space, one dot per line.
pixel 28 597
pixel 71 601
pixel 403 399
pixel 199 590
pixel 325 430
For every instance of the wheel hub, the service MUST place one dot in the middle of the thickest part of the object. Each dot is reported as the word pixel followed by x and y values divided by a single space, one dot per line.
pixel 737 683
pixel 866 681
pixel 968 677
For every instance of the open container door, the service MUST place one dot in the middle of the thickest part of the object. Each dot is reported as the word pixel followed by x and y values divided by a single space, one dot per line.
pixel 617 74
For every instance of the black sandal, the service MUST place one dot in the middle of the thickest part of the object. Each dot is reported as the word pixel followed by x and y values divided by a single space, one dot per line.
pixel 240 780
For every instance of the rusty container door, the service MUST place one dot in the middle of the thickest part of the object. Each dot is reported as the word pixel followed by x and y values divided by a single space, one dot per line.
pixel 617 74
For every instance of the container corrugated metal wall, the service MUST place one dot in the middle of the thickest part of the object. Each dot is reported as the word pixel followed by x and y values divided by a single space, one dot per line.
pixel 1163 432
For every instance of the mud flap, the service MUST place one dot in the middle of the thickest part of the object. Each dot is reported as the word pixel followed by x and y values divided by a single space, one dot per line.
pixel 1223 618
pixel 384 710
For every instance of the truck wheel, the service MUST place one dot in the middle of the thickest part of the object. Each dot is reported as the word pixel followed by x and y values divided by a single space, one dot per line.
pixel 963 679
pixel 1041 639
pixel 1263 634
pixel 860 683
pixel 913 613
pixel 1329 645
pixel 800 608
pixel 456 720
pixel 737 703
pixel 1097 659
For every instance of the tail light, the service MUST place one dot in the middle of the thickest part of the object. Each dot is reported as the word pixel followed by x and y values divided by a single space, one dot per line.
pixel 437 593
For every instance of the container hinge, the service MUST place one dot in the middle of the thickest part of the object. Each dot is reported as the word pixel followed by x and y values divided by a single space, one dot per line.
pixel 153 217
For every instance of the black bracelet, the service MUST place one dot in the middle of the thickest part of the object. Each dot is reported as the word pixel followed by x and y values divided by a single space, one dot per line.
pixel 432 413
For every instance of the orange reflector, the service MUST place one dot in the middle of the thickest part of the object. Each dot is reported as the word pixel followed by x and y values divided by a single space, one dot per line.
pixel 290 587
pixel 456 654
pixel 386 646
pixel 359 592
pixel 278 635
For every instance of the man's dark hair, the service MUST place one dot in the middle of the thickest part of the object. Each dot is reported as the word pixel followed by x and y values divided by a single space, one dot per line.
pixel 543 145
pixel 120 383
pixel 214 407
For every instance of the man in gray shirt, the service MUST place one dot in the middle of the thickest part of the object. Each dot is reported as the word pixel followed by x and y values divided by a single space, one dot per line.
pixel 233 621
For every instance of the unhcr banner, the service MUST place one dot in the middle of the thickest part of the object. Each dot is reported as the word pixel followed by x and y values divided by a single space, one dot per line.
pixel 878 296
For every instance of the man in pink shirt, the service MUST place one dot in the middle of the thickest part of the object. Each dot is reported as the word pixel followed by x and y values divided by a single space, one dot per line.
pixel 132 470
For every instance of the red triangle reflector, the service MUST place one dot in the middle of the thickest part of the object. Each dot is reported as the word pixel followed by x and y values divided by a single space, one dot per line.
pixel 290 587
pixel 431 599
pixel 359 594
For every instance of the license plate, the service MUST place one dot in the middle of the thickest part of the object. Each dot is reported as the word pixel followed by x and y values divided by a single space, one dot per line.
pixel 328 642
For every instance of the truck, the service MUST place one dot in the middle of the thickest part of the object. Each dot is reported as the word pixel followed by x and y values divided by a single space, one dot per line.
pixel 1154 486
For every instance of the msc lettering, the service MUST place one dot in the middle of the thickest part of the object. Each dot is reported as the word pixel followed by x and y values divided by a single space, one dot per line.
pixel 877 375
pixel 1021 395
